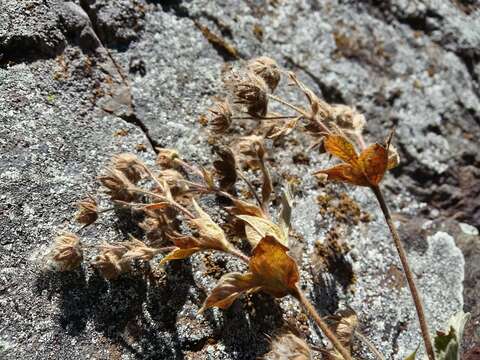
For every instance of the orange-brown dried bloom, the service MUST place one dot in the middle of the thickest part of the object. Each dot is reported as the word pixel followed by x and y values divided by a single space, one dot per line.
pixel 220 117
pixel 87 211
pixel 267 69
pixel 67 253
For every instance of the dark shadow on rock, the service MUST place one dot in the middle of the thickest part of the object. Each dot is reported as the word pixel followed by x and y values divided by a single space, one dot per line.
pixel 324 295
pixel 245 335
pixel 74 297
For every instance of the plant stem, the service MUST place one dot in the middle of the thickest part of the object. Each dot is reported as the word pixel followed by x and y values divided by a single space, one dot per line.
pixel 408 273
pixel 322 324
pixel 367 342
pixel 240 255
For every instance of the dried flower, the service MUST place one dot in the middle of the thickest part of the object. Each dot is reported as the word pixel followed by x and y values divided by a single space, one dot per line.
pixel 67 253
pixel 288 347
pixel 267 69
pixel 118 185
pixel 250 92
pixel 345 323
pixel 271 270
pixel 347 118
pixel 129 165
pixel 137 250
pixel 110 263
pixel 87 211
pixel 166 158
pixel 393 158
pixel 220 117
pixel 226 167
pixel 245 147
pixel 366 169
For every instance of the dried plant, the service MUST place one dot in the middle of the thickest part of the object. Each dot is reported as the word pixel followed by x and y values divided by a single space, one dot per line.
pixel 169 197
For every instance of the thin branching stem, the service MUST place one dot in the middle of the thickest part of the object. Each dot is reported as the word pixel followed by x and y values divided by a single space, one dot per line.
pixel 367 342
pixel 291 106
pixel 261 118
pixel 408 273
pixel 172 203
pixel 322 324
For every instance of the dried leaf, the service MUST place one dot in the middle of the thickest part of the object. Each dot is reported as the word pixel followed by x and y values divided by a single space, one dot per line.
pixel 211 236
pixel 373 161
pixel 339 146
pixel 367 169
pixel 273 268
pixel 258 227
pixel 228 289
pixel 344 173
pixel 179 254
pixel 286 212
pixel 226 167
pixel 241 207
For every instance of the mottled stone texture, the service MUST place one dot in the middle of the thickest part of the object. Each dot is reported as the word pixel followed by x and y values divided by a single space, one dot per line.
pixel 409 64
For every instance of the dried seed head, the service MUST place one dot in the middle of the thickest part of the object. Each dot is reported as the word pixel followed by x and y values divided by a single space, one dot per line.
pixel 347 118
pixel 171 177
pixel 87 211
pixel 166 158
pixel 137 250
pixel 267 69
pixel 130 165
pixel 67 253
pixel 110 263
pixel 289 347
pixel 152 227
pixel 118 185
pixel 250 92
pixel 220 117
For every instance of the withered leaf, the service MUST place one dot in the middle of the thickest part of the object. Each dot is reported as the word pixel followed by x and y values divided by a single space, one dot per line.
pixel 271 270
pixel 211 236
pixel 258 227
pixel 367 169
pixel 226 167
pixel 373 162
pixel 228 289
pixel 339 146
pixel 179 254
pixel 241 207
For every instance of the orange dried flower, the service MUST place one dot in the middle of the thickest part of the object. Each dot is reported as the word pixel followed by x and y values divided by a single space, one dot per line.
pixel 366 169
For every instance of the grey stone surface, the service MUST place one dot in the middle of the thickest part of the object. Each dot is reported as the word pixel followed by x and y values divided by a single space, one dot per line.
pixel 410 64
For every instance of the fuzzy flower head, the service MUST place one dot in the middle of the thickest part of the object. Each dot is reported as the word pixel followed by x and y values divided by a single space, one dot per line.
pixel 118 184
pixel 249 91
pixel 267 69
pixel 130 166
pixel 220 117
pixel 67 253
pixel 87 211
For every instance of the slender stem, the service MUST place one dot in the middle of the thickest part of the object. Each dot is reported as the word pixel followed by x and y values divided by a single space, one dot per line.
pixel 250 186
pixel 240 255
pixel 322 324
pixel 286 103
pixel 367 342
pixel 174 204
pixel 408 273
pixel 263 117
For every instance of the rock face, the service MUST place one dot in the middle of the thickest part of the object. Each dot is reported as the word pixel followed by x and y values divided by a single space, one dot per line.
pixel 413 65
